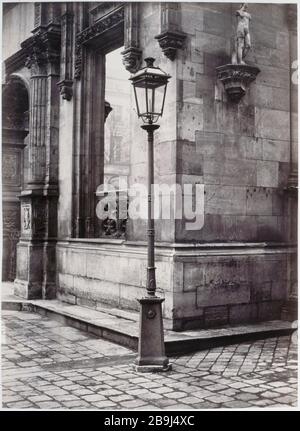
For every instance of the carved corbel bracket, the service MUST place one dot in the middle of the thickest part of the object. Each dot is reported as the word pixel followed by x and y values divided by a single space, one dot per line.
pixel 66 63
pixel 132 58
pixel 65 88
pixel 171 38
pixel 170 41
pixel 236 78
pixel 132 55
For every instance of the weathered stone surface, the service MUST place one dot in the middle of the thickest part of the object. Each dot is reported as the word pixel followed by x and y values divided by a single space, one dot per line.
pixel 269 310
pixel 273 77
pixel 185 305
pixel 259 201
pixel 213 44
pixel 225 200
pixel 192 18
pixel 217 23
pixel 267 174
pixel 188 160
pixel 190 119
pixel 65 282
pixel 216 316
pixel 251 147
pixel 188 70
pixel 66 297
pixel 268 228
pixel 271 97
pixel 272 124
pixel 222 291
pixel 261 291
pixel 276 150
pixel 76 263
pixel 279 290
pixel 242 313
pixel 230 172
pixel 193 276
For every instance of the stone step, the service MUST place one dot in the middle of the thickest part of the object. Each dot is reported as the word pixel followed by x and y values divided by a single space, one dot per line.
pixel 121 327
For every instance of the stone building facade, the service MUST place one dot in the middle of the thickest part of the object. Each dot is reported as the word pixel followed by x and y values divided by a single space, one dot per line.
pixel 241 265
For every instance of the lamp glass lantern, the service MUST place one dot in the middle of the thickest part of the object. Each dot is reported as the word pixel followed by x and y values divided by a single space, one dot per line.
pixel 150 86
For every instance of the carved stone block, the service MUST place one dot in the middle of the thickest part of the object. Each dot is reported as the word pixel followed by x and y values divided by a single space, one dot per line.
pixel 65 88
pixel 236 79
pixel 170 41
pixel 132 58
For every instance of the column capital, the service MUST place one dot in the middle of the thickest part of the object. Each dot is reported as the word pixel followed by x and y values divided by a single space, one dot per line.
pixel 42 49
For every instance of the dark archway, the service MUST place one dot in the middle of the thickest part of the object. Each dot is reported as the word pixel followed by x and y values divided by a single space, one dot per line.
pixel 15 123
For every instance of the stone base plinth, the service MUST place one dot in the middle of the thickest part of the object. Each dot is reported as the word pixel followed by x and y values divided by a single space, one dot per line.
pixel 203 286
pixel 33 280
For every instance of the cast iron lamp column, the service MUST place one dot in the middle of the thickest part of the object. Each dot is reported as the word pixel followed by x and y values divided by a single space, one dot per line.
pixel 151 348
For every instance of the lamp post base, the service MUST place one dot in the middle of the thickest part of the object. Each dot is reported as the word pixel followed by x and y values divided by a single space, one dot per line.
pixel 151 350
pixel 152 368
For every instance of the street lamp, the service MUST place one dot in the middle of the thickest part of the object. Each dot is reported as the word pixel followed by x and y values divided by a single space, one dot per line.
pixel 150 85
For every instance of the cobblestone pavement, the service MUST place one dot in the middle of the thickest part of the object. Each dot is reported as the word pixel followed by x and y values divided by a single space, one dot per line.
pixel 47 365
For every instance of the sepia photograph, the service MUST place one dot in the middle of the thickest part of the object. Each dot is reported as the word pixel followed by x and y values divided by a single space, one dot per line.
pixel 149 184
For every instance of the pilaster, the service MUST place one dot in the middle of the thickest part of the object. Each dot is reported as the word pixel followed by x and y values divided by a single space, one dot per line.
pixel 36 266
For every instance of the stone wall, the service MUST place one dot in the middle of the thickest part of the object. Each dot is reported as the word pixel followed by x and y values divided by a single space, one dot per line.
pixel 229 286
pixel 93 273
pixel 202 288
pixel 241 152
pixel 17 26
pixel 237 267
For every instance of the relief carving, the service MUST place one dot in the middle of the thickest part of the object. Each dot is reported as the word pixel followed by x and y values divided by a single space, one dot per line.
pixel 26 217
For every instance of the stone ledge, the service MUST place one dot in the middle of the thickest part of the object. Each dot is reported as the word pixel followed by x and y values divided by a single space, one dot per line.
pixel 123 330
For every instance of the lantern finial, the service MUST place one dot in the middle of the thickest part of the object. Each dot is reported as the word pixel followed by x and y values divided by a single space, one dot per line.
pixel 149 61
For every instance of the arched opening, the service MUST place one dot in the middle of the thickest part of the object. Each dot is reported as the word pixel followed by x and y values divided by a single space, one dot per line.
pixel 15 123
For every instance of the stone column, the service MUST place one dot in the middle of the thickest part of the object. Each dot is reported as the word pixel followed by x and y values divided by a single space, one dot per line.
pixel 36 262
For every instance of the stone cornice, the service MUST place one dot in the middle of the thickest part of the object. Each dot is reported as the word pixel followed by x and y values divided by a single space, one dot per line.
pixel 15 61
pixel 89 34
pixel 96 30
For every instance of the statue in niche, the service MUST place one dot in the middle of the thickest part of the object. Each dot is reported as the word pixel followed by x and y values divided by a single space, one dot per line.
pixel 242 37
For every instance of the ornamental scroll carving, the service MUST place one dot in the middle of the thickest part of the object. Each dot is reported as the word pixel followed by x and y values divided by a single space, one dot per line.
pixel 88 35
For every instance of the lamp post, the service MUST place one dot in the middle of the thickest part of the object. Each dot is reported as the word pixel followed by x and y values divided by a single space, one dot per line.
pixel 150 85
